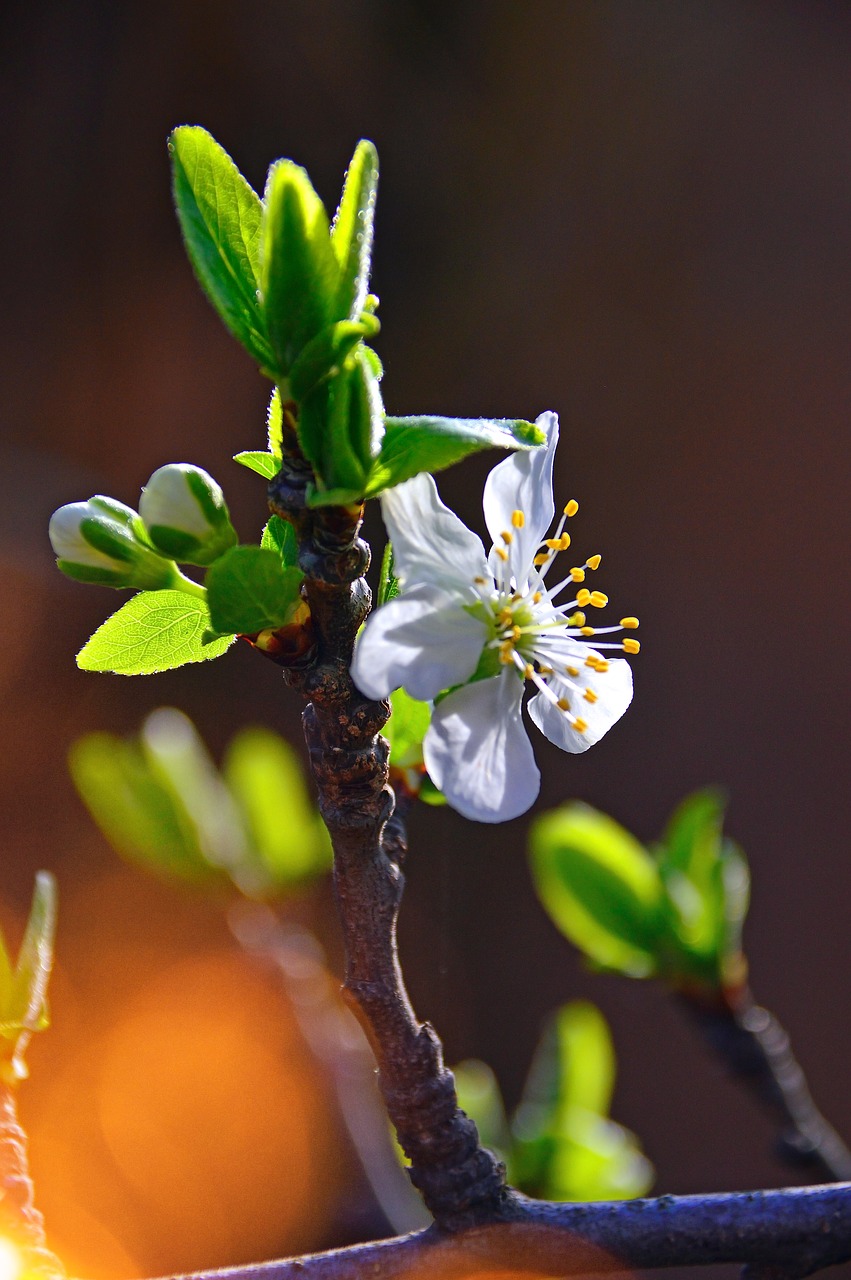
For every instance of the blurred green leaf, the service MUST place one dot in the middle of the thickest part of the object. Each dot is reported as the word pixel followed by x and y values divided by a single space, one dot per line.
pixel 599 886
pixel 220 217
pixel 299 274
pixel 265 464
pixel 249 590
pixel 141 816
pixel 23 991
pixel 267 783
pixel 275 425
pixel 351 233
pixel 155 631
pixel 595 1159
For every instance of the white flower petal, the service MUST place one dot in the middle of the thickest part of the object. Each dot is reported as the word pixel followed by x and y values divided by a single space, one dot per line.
pixel 524 482
pixel 477 751
pixel 430 543
pixel 614 694
pixel 424 640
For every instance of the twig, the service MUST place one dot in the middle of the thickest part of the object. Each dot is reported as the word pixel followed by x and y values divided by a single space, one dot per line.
pixel 457 1178
pixel 756 1051
pixel 794 1232
pixel 20 1221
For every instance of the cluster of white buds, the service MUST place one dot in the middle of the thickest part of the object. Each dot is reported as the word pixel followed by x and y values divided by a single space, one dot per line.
pixel 182 517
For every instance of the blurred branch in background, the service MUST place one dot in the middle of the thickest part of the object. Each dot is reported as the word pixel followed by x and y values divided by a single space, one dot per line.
pixel 676 912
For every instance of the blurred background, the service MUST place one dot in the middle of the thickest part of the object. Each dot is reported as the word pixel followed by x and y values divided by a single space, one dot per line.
pixel 634 212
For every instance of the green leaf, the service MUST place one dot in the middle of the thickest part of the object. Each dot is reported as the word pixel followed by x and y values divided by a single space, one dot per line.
pixel 388 583
pixel 340 426
pixel 142 816
pixel 594 1159
pixel 265 464
pixel 275 425
pixel 155 631
pixel 299 275
pixel 287 836
pixel 412 445
pixel 249 590
pixel 351 234
pixel 692 839
pixel 599 886
pixel 405 730
pixel 279 535
pixel 324 355
pixel 220 217
pixel 25 1009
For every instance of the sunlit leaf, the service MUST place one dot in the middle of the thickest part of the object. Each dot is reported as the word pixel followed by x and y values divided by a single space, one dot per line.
pixel 249 589
pixel 265 464
pixel 155 631
pixel 220 217
pixel 351 233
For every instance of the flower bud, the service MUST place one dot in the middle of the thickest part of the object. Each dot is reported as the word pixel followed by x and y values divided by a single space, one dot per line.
pixel 185 514
pixel 101 541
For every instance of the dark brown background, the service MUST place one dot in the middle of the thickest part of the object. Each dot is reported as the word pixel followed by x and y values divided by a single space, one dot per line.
pixel 634 212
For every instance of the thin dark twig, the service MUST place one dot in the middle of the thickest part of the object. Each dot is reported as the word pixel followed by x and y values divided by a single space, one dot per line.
pixel 756 1050
pixel 790 1233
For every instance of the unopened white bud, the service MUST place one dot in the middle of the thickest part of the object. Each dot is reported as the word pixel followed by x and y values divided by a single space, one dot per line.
pixel 185 514
pixel 99 541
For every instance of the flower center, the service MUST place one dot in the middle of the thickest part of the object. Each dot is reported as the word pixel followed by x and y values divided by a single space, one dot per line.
pixel 544 641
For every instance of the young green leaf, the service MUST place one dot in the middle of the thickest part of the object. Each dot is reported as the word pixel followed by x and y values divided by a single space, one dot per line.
pixel 324 355
pixel 351 233
pixel 600 887
pixel 340 426
pixel 287 837
pixel 412 445
pixel 388 583
pixel 299 275
pixel 249 590
pixel 220 217
pixel 265 464
pixel 405 730
pixel 275 425
pixel 155 631
pixel 279 535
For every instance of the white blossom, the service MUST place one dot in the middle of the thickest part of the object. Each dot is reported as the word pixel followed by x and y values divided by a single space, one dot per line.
pixel 100 541
pixel 482 627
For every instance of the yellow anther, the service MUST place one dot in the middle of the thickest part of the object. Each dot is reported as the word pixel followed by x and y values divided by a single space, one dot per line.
pixel 591 661
pixel 554 544
pixel 479 580
pixel 528 671
pixel 589 695
pixel 583 597
pixel 571 508
pixel 537 597
pixel 580 725
pixel 545 671
pixel 631 646
pixel 593 562
pixel 501 552
pixel 629 624
pixel 563 704
pixel 506 653
pixel 506 617
pixel 516 633
pixel 602 665
pixel 540 559
pixel 572 671
pixel 588 631
pixel 577 619
pixel 577 574
pixel 598 599
pixel 506 536
pixel 518 519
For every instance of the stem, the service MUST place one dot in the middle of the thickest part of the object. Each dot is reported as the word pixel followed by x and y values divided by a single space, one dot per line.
pixel 459 1180
pixel 180 582
pixel 788 1234
pixel 20 1221
pixel 756 1050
